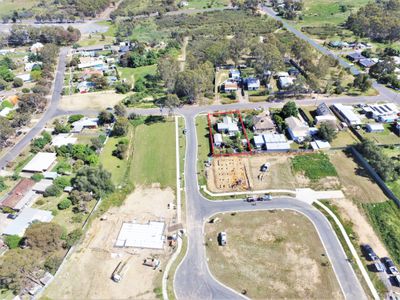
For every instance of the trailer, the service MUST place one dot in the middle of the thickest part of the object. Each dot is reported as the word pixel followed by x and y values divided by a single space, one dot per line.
pixel 152 262
pixel 118 272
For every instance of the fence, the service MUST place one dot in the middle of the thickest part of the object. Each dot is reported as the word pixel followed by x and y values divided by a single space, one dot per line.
pixel 364 163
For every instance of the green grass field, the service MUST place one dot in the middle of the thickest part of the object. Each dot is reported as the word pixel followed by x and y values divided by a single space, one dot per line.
pixel 199 4
pixel 147 31
pixel 154 159
pixel 315 166
pixel 8 6
pixel 388 137
pixel 133 74
pixel 318 12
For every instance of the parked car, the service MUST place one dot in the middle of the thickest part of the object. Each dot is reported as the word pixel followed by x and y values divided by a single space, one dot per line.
pixel 266 197
pixel 222 238
pixel 390 266
pixel 397 280
pixel 369 253
pixel 250 199
pixel 12 216
pixel 379 267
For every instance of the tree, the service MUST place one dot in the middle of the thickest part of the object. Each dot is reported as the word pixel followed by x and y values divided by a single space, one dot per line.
pixel 6 74
pixel 327 132
pixel 93 179
pixel 52 191
pixel 267 57
pixel 97 143
pixel 64 204
pixel 167 69
pixel 62 182
pixel 122 88
pixel 16 265
pixel 78 196
pixel 289 109
pixel 99 81
pixel 3 185
pixel 6 131
pixel 120 151
pixel 105 117
pixel 121 127
pixel 172 101
pixel 362 82
pixel 18 82
pixel 279 121
pixel 75 118
pixel 60 127
pixel 120 110
pixel 45 237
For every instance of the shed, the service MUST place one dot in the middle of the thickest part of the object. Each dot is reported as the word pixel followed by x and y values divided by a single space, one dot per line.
pixel 50 175
pixel 355 56
pixel 218 139
pixel 375 127
pixel 258 141
pixel 320 145
pixel 42 185
pixel 41 162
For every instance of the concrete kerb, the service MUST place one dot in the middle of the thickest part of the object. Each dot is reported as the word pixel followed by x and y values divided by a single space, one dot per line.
pixel 352 249
pixel 266 209
pixel 270 191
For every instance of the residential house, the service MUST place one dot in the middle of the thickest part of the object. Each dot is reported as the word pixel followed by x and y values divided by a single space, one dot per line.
pixel 330 119
pixel 92 64
pixel 252 84
pixel 323 110
pixel 16 199
pixel 285 82
pixel 85 86
pixel 41 186
pixel 41 162
pixel 297 129
pixel 25 218
pixel 366 62
pixel 384 113
pixel 229 86
pixel 263 123
pixel 320 145
pixel 375 127
pixel 228 126
pixel 346 114
pixel 355 57
pixel 63 139
pixel 90 123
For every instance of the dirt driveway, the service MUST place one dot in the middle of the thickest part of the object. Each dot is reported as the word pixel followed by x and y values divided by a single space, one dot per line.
pixel 86 274
pixel 95 101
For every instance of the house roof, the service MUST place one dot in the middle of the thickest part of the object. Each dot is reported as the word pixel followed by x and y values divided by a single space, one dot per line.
pixel 85 122
pixel 375 126
pixel 323 109
pixel 274 138
pixel 251 81
pixel 217 138
pixel 355 56
pixel 258 140
pixel 366 62
pixel 263 122
pixel 319 145
pixel 296 124
pixel 42 185
pixel 285 81
pixel 40 162
pixel 13 198
pixel 63 139
pixel 25 218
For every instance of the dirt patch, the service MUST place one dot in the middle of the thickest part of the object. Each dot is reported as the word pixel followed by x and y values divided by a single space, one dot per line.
pixel 273 254
pixel 95 101
pixel 356 184
pixel 86 274
pixel 361 226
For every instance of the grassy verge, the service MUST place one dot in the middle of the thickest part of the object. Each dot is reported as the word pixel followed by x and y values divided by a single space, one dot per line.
pixel 348 227
pixel 178 260
pixel 203 146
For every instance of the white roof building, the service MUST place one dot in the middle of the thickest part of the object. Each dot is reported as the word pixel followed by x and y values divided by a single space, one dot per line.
pixel 320 145
pixel 42 185
pixel 258 141
pixel 375 127
pixel 331 119
pixel 41 162
pixel 91 64
pixel 276 142
pixel 386 112
pixel 347 114
pixel 5 111
pixel 297 129
pixel 63 139
pixel 25 77
pixel 218 139
pixel 25 218
pixel 78 126
pixel 228 125
pixel 150 235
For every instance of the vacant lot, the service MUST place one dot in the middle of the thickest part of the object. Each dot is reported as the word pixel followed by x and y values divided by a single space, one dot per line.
pixel 95 101
pixel 154 158
pixel 8 6
pixel 356 184
pixel 274 254
pixel 86 274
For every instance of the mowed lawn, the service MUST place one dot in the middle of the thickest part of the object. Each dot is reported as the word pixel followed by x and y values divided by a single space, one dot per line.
pixel 154 158
pixel 203 145
pixel 8 6
pixel 271 255
pixel 133 74
pixel 314 166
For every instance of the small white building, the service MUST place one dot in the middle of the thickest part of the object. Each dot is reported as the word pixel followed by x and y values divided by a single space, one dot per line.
pixel 330 119
pixel 218 140
pixel 42 185
pixel 25 77
pixel 276 142
pixel 377 127
pixel 150 235
pixel 320 145
pixel 297 129
pixel 259 141
pixel 346 114
pixel 90 123
pixel 63 139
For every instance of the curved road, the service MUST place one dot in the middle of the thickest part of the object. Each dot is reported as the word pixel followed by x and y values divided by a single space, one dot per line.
pixel 193 279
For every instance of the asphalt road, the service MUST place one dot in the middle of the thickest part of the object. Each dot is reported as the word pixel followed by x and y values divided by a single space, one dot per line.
pixel 47 116
pixel 193 279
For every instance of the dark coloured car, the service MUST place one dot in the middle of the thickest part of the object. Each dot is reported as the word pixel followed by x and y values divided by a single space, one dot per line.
pixel 11 216
pixel 390 265
pixel 379 267
pixel 369 253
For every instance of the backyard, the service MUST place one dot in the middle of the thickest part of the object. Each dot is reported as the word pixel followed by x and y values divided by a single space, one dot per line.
pixel 262 244
pixel 314 166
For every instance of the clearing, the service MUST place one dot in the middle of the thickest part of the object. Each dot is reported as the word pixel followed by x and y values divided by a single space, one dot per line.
pixel 355 181
pixel 97 254
pixel 275 254
pixel 95 101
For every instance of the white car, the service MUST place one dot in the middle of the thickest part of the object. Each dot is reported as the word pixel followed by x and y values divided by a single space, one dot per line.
pixel 222 238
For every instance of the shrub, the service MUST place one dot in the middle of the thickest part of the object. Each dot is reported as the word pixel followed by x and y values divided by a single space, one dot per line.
pixel 73 237
pixel 74 118
pixel 12 241
pixel 52 191
pixel 64 204
pixel 37 177
pixel 52 263
pixel 122 88
pixel 26 90
pixel 18 82
pixel 62 181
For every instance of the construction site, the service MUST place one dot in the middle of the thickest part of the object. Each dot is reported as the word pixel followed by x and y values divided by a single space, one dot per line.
pixel 256 172
pixel 124 252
